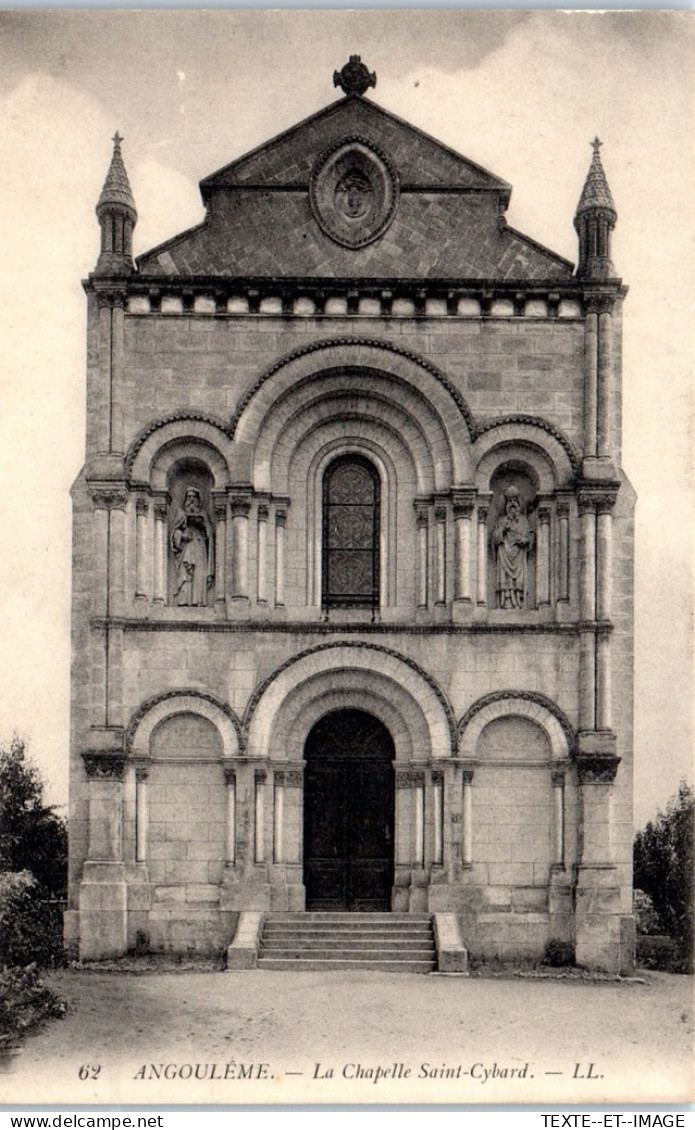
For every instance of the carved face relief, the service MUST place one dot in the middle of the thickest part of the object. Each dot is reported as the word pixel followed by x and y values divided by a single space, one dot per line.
pixel 353 192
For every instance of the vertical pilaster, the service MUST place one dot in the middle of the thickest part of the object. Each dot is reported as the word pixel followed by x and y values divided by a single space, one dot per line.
pixel 543 557
pixel 262 553
pixel 260 778
pixel 230 815
pixel 117 368
pixel 440 553
pixel 437 818
pixel 563 512
pixel 467 818
pixel 590 381
pixel 220 550
pixel 143 572
pixel 142 772
pixel 280 525
pixel 605 379
pixel 160 551
pixel 558 779
pixel 279 818
pixel 463 510
pixel 103 907
pixel 481 596
pixel 422 523
pixel 240 505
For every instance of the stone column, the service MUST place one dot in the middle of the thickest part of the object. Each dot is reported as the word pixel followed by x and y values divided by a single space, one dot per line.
pixel 230 815
pixel 117 369
pixel 563 513
pixel 543 557
pixel 463 509
pixel 161 554
pixel 601 940
pixel 280 524
pixel 590 380
pixel 260 778
pixel 111 300
pixel 143 574
pixel 482 554
pixel 278 818
pixel 103 907
pixel 142 772
pixel 605 379
pixel 422 521
pixel 240 505
pixel 440 553
pixel 220 511
pixel 437 818
pixel 467 818
pixel 262 553
pixel 418 858
pixel 558 779
pixel 587 639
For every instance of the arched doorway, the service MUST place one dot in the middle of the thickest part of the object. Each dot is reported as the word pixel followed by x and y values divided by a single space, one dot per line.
pixel 348 813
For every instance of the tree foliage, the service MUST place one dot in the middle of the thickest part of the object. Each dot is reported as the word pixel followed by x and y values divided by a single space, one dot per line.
pixel 33 837
pixel 664 867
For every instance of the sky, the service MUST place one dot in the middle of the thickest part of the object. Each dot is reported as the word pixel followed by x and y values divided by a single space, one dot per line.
pixel 521 93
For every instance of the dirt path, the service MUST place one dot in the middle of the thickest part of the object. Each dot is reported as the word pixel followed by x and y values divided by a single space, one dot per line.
pixel 445 1039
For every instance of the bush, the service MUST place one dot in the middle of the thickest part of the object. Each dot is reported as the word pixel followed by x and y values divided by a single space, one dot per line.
pixel 31 926
pixel 558 953
pixel 32 836
pixel 24 1002
pixel 646 918
pixel 664 867
pixel 656 951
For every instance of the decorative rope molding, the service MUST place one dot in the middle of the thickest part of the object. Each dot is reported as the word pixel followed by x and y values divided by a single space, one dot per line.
pixel 432 684
pixel 358 342
pixel 172 418
pixel 180 692
pixel 487 425
pixel 528 696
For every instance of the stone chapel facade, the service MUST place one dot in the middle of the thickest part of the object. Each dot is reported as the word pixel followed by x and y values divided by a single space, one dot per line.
pixel 352 595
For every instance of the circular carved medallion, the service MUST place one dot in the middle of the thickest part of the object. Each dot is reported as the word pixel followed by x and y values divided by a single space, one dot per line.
pixel 353 192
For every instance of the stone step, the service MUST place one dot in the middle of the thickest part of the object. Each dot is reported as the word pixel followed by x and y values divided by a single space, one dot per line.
pixel 385 953
pixel 318 965
pixel 286 941
pixel 352 935
pixel 344 916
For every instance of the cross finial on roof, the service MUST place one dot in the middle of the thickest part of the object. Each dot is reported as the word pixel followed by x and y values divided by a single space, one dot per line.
pixel 117 139
pixel 354 78
pixel 596 144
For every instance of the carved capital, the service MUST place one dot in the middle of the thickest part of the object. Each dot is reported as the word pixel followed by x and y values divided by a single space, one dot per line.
pixel 220 512
pixel 600 497
pixel 467 776
pixel 586 502
pixel 557 776
pixel 563 508
pixel 597 769
pixel 104 766
pixel 421 512
pixel 260 776
pixel 109 498
pixel 437 777
pixel 240 505
pixel 409 778
pixel 229 774
pixel 281 516
pixel 110 297
pixel 160 509
pixel 142 505
pixel 482 513
pixel 440 513
pixel 544 515
pixel 598 303
pixel 463 502
pixel 142 772
pixel 263 512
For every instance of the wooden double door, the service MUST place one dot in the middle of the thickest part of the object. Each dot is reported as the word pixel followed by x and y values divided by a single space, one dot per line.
pixel 349 813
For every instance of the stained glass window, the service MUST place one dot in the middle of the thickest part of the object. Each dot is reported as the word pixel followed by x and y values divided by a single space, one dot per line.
pixel 350 534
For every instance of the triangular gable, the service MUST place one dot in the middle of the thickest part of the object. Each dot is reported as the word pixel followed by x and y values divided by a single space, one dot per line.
pixel 289 158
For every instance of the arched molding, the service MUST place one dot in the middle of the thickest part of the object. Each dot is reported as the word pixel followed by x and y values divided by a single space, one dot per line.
pixel 316 698
pixel 183 701
pixel 519 704
pixel 390 410
pixel 175 431
pixel 534 432
pixel 331 666
pixel 353 356
pixel 522 456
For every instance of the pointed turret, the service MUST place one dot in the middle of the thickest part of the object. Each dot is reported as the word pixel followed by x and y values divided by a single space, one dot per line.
pixel 594 221
pixel 117 217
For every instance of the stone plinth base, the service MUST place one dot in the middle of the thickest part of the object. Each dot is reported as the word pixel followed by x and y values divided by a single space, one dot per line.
pixel 103 911
pixel 452 956
pixel 243 952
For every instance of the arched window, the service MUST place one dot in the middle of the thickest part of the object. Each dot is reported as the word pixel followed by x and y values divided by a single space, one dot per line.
pixel 350 534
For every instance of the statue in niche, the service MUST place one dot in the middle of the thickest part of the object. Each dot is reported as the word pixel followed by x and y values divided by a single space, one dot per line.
pixel 193 549
pixel 512 540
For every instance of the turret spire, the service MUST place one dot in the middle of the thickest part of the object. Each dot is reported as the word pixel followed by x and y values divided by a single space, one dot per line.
pixel 117 217
pixel 594 220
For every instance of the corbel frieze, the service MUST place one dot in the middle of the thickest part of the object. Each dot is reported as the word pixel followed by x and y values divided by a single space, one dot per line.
pixel 104 766
pixel 597 769
pixel 109 498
